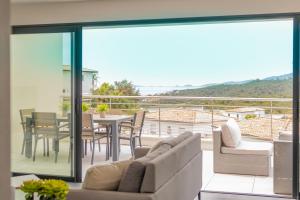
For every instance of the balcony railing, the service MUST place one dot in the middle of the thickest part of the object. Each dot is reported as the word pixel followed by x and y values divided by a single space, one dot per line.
pixel 262 118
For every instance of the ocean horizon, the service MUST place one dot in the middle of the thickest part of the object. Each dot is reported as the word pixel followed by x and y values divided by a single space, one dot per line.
pixel 152 90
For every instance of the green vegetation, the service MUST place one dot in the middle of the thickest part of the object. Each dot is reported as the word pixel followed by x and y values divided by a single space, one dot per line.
pixel 119 88
pixel 102 108
pixel 250 116
pixel 275 88
pixel 45 189
pixel 85 107
pixel 65 107
pixel 253 89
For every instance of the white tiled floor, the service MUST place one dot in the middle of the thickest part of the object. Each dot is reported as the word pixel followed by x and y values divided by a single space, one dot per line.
pixel 211 182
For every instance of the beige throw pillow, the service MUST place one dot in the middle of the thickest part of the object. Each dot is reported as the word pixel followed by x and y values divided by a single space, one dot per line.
pixel 231 133
pixel 105 177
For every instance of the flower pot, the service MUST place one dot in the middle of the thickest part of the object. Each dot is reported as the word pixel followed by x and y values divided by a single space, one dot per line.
pixel 102 115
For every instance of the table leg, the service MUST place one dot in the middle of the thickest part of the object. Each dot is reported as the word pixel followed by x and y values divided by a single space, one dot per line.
pixel 28 138
pixel 115 141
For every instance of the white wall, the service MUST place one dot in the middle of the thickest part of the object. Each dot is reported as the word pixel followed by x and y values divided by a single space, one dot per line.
pixel 106 10
pixel 4 101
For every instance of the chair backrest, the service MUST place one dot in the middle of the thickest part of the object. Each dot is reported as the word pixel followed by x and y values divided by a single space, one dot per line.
pixel 24 113
pixel 44 122
pixel 138 121
pixel 87 124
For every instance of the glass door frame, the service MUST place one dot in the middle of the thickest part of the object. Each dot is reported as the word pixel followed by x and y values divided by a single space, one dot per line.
pixel 77 28
pixel 76 77
pixel 296 98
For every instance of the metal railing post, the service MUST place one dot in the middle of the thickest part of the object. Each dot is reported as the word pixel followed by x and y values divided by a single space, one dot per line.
pixel 271 118
pixel 110 103
pixel 159 125
pixel 212 116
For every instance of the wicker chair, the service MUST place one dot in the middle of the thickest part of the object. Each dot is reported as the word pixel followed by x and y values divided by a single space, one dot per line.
pixel 24 113
pixel 46 126
pixel 132 130
pixel 93 132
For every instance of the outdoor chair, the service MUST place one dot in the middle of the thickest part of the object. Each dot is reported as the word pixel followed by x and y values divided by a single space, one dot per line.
pixel 132 130
pixel 46 126
pixel 283 168
pixel 24 113
pixel 94 132
pixel 232 155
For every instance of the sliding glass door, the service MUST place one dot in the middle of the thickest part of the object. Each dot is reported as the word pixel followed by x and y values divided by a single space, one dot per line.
pixel 42 104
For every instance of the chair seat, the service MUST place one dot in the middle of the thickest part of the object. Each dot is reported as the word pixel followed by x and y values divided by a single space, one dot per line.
pixel 250 148
pixel 90 137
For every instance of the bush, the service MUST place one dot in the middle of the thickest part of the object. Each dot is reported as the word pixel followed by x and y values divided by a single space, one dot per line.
pixel 250 116
pixel 45 189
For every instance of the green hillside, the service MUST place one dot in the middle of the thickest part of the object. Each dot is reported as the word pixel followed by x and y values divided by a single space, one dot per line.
pixel 255 88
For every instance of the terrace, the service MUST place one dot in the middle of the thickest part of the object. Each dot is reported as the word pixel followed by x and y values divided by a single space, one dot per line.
pixel 171 116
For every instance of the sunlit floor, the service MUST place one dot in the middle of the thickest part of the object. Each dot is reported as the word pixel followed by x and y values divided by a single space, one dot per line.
pixel 211 181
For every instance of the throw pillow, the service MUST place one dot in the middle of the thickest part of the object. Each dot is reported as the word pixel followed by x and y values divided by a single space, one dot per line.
pixel 105 177
pixel 231 133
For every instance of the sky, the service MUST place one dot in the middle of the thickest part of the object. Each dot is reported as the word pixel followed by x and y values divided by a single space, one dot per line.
pixel 194 54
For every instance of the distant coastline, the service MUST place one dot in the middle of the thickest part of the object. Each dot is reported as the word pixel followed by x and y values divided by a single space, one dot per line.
pixel 152 90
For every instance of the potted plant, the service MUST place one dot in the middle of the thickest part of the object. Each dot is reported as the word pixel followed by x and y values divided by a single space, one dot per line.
pixel 85 107
pixel 45 189
pixel 66 107
pixel 101 109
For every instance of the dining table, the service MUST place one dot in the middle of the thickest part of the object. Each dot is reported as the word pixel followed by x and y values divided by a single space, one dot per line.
pixel 113 120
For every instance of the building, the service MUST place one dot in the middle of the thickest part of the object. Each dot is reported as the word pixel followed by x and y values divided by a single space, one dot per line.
pixel 43 20
pixel 242 113
pixel 89 80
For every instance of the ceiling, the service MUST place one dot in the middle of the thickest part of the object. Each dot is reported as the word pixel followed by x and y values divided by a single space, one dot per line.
pixel 44 1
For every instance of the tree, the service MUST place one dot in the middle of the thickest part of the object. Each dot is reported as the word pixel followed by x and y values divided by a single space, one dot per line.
pixel 119 88
pixel 126 88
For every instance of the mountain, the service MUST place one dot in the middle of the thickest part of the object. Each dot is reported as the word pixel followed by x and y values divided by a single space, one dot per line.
pixel 281 77
pixel 275 86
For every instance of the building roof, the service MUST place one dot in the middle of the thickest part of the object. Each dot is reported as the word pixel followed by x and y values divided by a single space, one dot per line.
pixel 245 109
pixel 68 68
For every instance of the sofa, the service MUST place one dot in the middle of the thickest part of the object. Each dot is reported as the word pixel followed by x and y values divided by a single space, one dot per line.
pixel 233 155
pixel 173 175
pixel 283 168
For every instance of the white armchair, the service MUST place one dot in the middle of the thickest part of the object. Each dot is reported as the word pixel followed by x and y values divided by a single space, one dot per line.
pixel 241 157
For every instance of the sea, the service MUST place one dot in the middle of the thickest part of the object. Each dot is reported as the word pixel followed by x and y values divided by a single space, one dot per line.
pixel 152 90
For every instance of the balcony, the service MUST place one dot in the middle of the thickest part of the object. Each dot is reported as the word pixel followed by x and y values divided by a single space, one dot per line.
pixel 260 119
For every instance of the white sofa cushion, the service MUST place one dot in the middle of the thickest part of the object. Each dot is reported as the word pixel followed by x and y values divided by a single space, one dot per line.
pixel 250 148
pixel 231 133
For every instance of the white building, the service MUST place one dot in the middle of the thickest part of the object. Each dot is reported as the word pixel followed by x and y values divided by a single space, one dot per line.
pixel 89 80
pixel 241 113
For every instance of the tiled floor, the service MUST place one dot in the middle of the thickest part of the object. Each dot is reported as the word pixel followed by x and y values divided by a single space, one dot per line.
pixel 211 182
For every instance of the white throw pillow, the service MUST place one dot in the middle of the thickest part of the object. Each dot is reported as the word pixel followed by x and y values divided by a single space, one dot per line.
pixel 231 133
pixel 105 177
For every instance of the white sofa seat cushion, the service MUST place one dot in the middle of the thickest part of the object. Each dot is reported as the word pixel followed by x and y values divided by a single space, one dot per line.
pixel 231 133
pixel 249 148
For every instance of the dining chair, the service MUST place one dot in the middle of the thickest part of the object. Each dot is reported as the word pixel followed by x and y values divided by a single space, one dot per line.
pixel 24 113
pixel 46 126
pixel 93 133
pixel 132 130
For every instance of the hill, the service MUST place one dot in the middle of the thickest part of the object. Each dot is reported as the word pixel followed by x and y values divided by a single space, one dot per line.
pixel 276 87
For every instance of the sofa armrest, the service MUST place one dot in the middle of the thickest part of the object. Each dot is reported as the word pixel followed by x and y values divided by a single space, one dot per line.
pixel 140 152
pixel 82 194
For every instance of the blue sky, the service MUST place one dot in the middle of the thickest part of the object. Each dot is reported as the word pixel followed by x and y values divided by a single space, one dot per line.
pixel 190 54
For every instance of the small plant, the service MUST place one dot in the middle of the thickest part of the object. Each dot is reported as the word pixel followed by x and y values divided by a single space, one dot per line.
pixel 250 116
pixel 102 108
pixel 85 107
pixel 45 189
pixel 66 107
